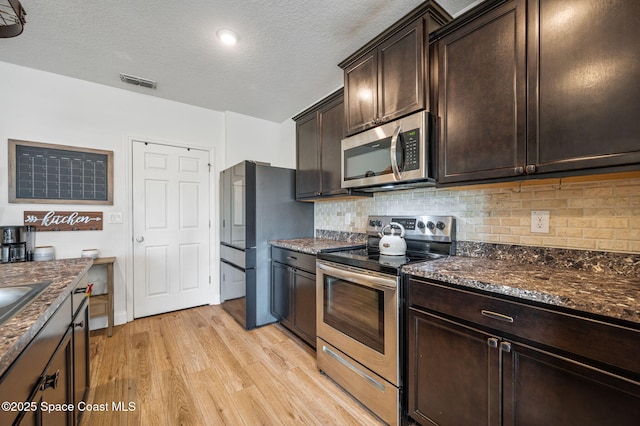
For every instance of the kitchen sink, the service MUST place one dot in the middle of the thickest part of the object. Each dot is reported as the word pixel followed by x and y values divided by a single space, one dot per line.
pixel 14 299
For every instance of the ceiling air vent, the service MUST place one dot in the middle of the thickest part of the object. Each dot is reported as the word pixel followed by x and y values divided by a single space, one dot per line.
pixel 138 81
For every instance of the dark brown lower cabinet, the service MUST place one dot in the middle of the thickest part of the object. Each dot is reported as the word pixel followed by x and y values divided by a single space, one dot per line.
pixel 54 396
pixel 462 374
pixel 81 370
pixel 42 376
pixel 51 376
pixel 293 292
pixel 543 388
pixel 453 374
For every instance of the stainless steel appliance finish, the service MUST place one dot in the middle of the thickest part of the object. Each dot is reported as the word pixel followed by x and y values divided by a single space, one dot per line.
pixel 13 247
pixel 427 237
pixel 257 205
pixel 358 317
pixel 395 155
pixel 12 234
pixel 14 299
pixel 358 335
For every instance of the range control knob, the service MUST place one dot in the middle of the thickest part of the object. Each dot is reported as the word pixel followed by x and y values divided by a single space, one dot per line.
pixel 421 225
pixel 378 223
pixel 440 225
pixel 372 222
pixel 431 226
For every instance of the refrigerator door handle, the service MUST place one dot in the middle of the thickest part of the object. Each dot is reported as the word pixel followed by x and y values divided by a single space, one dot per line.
pixel 233 265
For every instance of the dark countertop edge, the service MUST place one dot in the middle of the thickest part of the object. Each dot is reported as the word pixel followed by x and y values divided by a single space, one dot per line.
pixel 310 245
pixel 11 353
pixel 520 295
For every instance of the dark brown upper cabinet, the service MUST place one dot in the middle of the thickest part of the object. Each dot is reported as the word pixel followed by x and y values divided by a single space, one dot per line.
pixel 387 78
pixel 319 132
pixel 584 95
pixel 308 182
pixel 482 97
pixel 538 88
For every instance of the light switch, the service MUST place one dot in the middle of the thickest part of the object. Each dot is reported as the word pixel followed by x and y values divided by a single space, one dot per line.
pixel 114 217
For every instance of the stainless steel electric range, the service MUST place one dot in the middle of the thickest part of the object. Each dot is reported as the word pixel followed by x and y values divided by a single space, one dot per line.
pixel 358 296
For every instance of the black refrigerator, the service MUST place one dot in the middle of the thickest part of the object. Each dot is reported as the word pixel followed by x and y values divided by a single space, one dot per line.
pixel 257 204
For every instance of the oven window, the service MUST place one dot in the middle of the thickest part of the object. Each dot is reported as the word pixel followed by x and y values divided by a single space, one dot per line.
pixel 368 160
pixel 355 310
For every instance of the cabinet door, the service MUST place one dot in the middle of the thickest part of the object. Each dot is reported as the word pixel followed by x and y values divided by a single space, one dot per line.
pixel 584 95
pixel 308 182
pixel 331 123
pixel 81 370
pixel 304 306
pixel 481 100
pixel 281 292
pixel 57 388
pixel 544 389
pixel 361 93
pixel 401 73
pixel 453 373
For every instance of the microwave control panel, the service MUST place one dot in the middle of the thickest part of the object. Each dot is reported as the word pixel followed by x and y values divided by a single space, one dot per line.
pixel 412 149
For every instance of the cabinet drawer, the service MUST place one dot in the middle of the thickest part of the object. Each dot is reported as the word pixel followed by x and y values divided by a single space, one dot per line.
pixel 233 255
pixel 296 259
pixel 597 340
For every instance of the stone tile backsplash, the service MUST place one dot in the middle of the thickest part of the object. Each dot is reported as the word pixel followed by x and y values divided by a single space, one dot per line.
pixel 597 215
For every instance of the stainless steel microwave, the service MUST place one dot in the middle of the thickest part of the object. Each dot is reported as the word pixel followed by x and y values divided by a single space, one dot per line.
pixel 395 155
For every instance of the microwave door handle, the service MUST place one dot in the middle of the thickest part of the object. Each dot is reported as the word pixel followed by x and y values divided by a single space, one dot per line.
pixel 394 158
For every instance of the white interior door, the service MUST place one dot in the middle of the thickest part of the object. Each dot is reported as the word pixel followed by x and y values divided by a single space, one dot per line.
pixel 170 229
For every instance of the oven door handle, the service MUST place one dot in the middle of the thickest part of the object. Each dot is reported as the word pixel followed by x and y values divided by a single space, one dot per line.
pixel 366 279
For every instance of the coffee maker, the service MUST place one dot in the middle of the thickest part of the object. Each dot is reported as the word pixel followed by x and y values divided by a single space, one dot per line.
pixel 18 243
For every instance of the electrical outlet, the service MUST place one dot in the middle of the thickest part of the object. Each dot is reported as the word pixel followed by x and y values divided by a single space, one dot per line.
pixel 540 221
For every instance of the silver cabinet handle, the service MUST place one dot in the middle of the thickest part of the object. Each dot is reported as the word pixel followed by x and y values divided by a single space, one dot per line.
pixel 140 239
pixel 495 315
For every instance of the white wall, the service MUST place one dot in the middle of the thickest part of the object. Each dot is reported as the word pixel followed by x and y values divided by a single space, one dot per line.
pixel 288 143
pixel 249 138
pixel 44 107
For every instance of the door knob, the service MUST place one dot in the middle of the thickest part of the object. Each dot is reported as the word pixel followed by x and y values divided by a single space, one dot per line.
pixel 140 239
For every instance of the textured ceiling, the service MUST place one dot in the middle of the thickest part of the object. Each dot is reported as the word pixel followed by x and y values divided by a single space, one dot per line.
pixel 285 60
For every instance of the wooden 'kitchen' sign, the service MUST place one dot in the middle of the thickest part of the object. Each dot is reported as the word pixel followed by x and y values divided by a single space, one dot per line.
pixel 64 221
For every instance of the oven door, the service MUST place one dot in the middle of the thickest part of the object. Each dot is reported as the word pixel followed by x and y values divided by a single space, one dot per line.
pixel 358 314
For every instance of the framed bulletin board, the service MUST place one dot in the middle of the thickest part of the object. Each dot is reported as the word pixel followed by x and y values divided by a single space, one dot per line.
pixel 48 173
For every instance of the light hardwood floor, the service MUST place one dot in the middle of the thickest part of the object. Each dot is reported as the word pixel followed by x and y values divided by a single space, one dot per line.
pixel 199 367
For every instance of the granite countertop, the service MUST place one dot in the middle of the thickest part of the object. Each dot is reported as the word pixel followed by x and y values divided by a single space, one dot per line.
pixel 602 293
pixel 316 245
pixel 16 333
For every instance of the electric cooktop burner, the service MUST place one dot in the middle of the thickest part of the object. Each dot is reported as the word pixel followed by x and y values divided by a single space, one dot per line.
pixel 374 261
pixel 427 238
